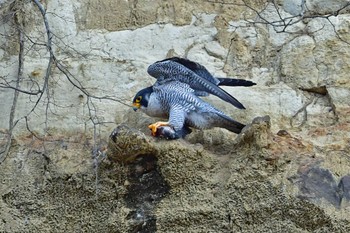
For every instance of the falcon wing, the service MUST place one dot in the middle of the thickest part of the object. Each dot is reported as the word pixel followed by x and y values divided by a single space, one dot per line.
pixel 204 73
pixel 196 68
pixel 194 74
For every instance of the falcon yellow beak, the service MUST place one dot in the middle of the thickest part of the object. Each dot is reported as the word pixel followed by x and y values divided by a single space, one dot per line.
pixel 136 106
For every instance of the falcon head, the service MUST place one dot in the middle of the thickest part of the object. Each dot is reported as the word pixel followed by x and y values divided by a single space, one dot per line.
pixel 141 98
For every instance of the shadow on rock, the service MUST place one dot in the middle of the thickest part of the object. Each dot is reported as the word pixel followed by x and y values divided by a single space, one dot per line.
pixel 145 185
pixel 317 184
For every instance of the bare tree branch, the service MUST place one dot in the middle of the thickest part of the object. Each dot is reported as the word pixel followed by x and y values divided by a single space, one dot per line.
pixel 49 47
pixel 283 23
pixel 6 85
pixel 45 88
pixel 16 93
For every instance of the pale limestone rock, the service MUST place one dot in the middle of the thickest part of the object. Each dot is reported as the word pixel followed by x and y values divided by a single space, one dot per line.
pixel 275 16
pixel 320 112
pixel 299 7
pixel 339 97
pixel 214 49
pixel 293 7
pixel 65 23
pixel 112 68
pixel 281 99
pixel 324 6
pixel 263 76
pixel 244 30
pixel 218 181
pixel 298 65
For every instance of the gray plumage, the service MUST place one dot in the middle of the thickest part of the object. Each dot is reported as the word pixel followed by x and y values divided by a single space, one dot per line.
pixel 197 76
pixel 175 96
pixel 184 107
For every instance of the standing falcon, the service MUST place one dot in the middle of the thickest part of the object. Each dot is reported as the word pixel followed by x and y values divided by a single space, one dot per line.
pixel 175 95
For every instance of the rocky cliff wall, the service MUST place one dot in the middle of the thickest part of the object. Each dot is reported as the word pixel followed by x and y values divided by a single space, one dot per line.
pixel 301 69
pixel 289 171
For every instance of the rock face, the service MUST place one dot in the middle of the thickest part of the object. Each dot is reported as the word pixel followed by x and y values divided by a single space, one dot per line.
pixel 258 181
pixel 80 159
pixel 239 185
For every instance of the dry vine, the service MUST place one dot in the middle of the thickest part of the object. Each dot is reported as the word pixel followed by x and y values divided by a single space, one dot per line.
pixel 283 23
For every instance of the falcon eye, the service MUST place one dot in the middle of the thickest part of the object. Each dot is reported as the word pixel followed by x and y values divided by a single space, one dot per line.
pixel 138 99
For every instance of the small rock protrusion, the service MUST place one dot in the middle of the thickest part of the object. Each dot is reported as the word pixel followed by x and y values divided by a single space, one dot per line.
pixel 126 144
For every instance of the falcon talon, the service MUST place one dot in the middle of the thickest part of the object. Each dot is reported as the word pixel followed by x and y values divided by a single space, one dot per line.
pixel 176 96
pixel 154 127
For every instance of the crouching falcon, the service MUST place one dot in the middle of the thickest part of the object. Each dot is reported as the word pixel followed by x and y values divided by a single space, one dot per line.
pixel 176 96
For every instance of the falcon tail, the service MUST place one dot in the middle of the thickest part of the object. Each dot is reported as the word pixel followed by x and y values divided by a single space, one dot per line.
pixel 235 127
pixel 230 124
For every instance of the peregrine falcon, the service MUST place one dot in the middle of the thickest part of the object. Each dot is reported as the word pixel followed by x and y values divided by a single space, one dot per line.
pixel 175 95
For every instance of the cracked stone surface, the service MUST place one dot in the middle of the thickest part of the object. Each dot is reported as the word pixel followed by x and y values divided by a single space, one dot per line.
pixel 288 171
